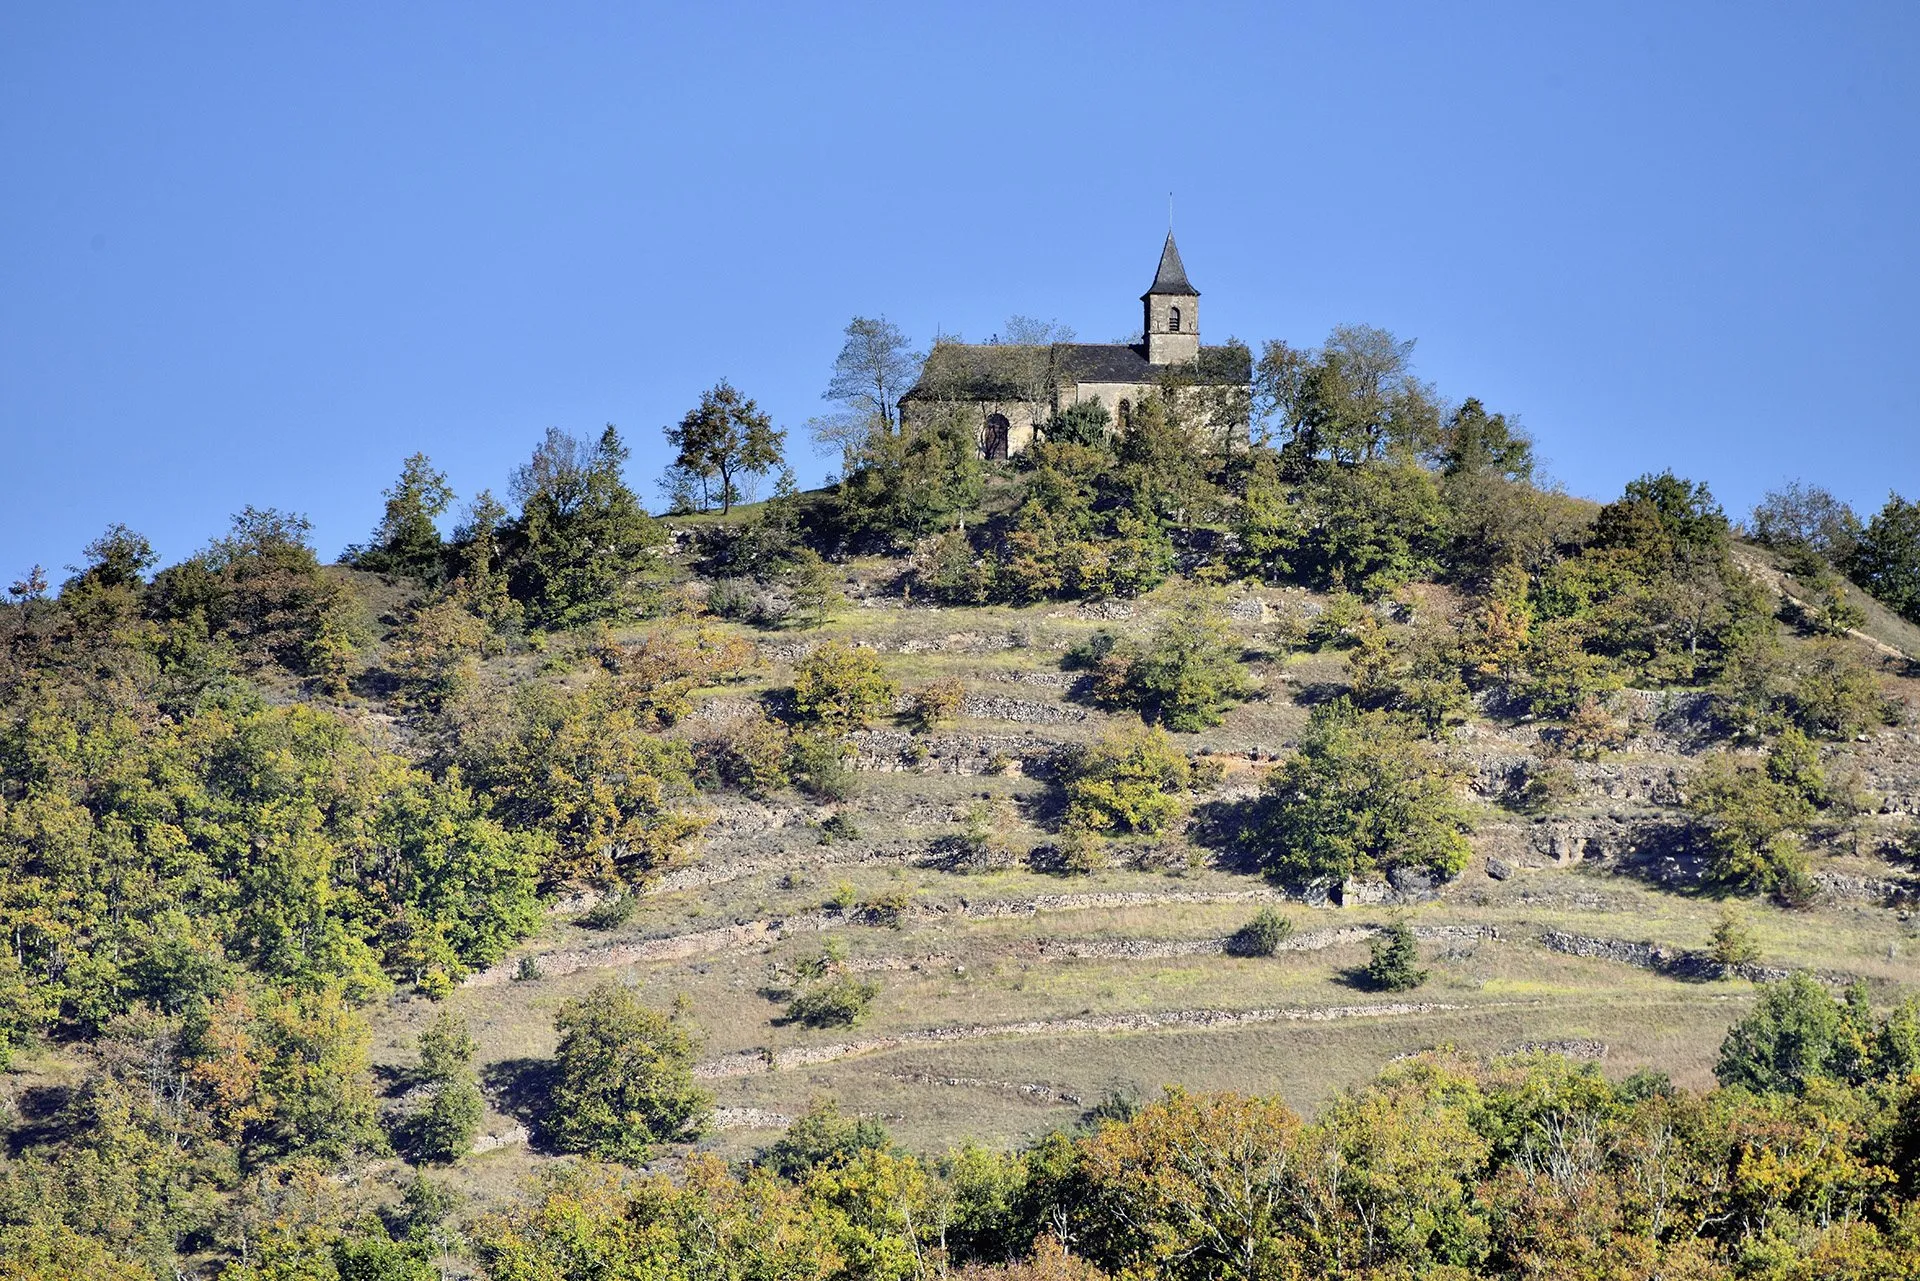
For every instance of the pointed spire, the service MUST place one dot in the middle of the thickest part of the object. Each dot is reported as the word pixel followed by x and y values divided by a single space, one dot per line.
pixel 1172 276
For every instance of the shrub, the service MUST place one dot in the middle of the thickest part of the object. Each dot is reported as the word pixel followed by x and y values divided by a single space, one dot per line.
pixel 983 845
pixel 937 703
pixel 623 1078
pixel 1748 822
pixel 888 910
pixel 1394 963
pixel 838 826
pixel 823 1136
pixel 734 598
pixel 1185 674
pixel 1590 732
pixel 842 686
pixel 815 594
pixel 819 768
pixel 1082 852
pixel 839 1002
pixel 1364 793
pixel 611 912
pixel 1262 936
pixel 1128 780
pixel 1540 784
pixel 750 755
pixel 1732 942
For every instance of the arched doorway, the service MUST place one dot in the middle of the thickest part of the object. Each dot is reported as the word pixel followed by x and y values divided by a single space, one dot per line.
pixel 998 428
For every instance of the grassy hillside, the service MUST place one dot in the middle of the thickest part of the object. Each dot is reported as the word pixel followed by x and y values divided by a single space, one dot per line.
pixel 1013 1000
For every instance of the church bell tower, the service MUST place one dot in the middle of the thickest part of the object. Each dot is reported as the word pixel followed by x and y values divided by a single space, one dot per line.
pixel 1172 312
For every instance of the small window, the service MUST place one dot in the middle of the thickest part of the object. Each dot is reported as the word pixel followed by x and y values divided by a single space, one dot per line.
pixel 1126 414
pixel 1173 320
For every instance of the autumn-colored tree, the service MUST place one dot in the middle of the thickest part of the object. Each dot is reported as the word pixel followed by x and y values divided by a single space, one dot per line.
pixel 841 686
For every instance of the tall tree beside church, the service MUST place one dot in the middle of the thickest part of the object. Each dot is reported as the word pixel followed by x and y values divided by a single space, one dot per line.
pixel 725 437
pixel 875 367
pixel 1353 399
pixel 585 541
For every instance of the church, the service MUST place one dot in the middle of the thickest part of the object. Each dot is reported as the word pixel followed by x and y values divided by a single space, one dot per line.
pixel 1009 391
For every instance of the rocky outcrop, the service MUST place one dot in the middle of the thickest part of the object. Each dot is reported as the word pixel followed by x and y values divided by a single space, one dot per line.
pixel 992 707
pixel 890 751
pixel 1878 890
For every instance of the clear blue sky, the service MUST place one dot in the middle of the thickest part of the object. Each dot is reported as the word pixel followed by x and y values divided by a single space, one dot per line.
pixel 259 253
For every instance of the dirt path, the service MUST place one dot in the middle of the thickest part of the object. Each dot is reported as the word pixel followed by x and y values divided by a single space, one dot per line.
pixel 754 1062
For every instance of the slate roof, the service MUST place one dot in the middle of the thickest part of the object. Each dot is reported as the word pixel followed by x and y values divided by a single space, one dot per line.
pixel 968 371
pixel 1172 276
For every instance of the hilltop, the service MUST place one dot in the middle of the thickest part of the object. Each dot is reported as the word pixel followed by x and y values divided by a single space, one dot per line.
pixel 981 797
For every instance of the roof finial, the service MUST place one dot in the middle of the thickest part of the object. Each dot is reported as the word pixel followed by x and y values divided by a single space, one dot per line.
pixel 1169 213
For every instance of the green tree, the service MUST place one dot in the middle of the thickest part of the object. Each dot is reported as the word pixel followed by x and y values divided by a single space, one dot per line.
pixel 815 593
pixel 118 558
pixel 586 545
pixel 1185 674
pixel 1732 942
pixel 1086 423
pixel 726 436
pixel 623 1078
pixel 1749 821
pixel 1130 779
pixel 1887 560
pixel 1363 794
pixel 1393 960
pixel 1806 517
pixel 1795 1035
pixel 1475 441
pixel 1352 399
pixel 407 540
pixel 913 482
pixel 445 1128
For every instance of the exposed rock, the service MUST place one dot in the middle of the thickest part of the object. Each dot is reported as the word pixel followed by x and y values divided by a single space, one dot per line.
pixel 1364 893
pixel 1882 891
pixel 896 750
pixel 1020 710
pixel 1499 869
pixel 509 1138
pixel 740 1118
pixel 1412 884
pixel 1578 1048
